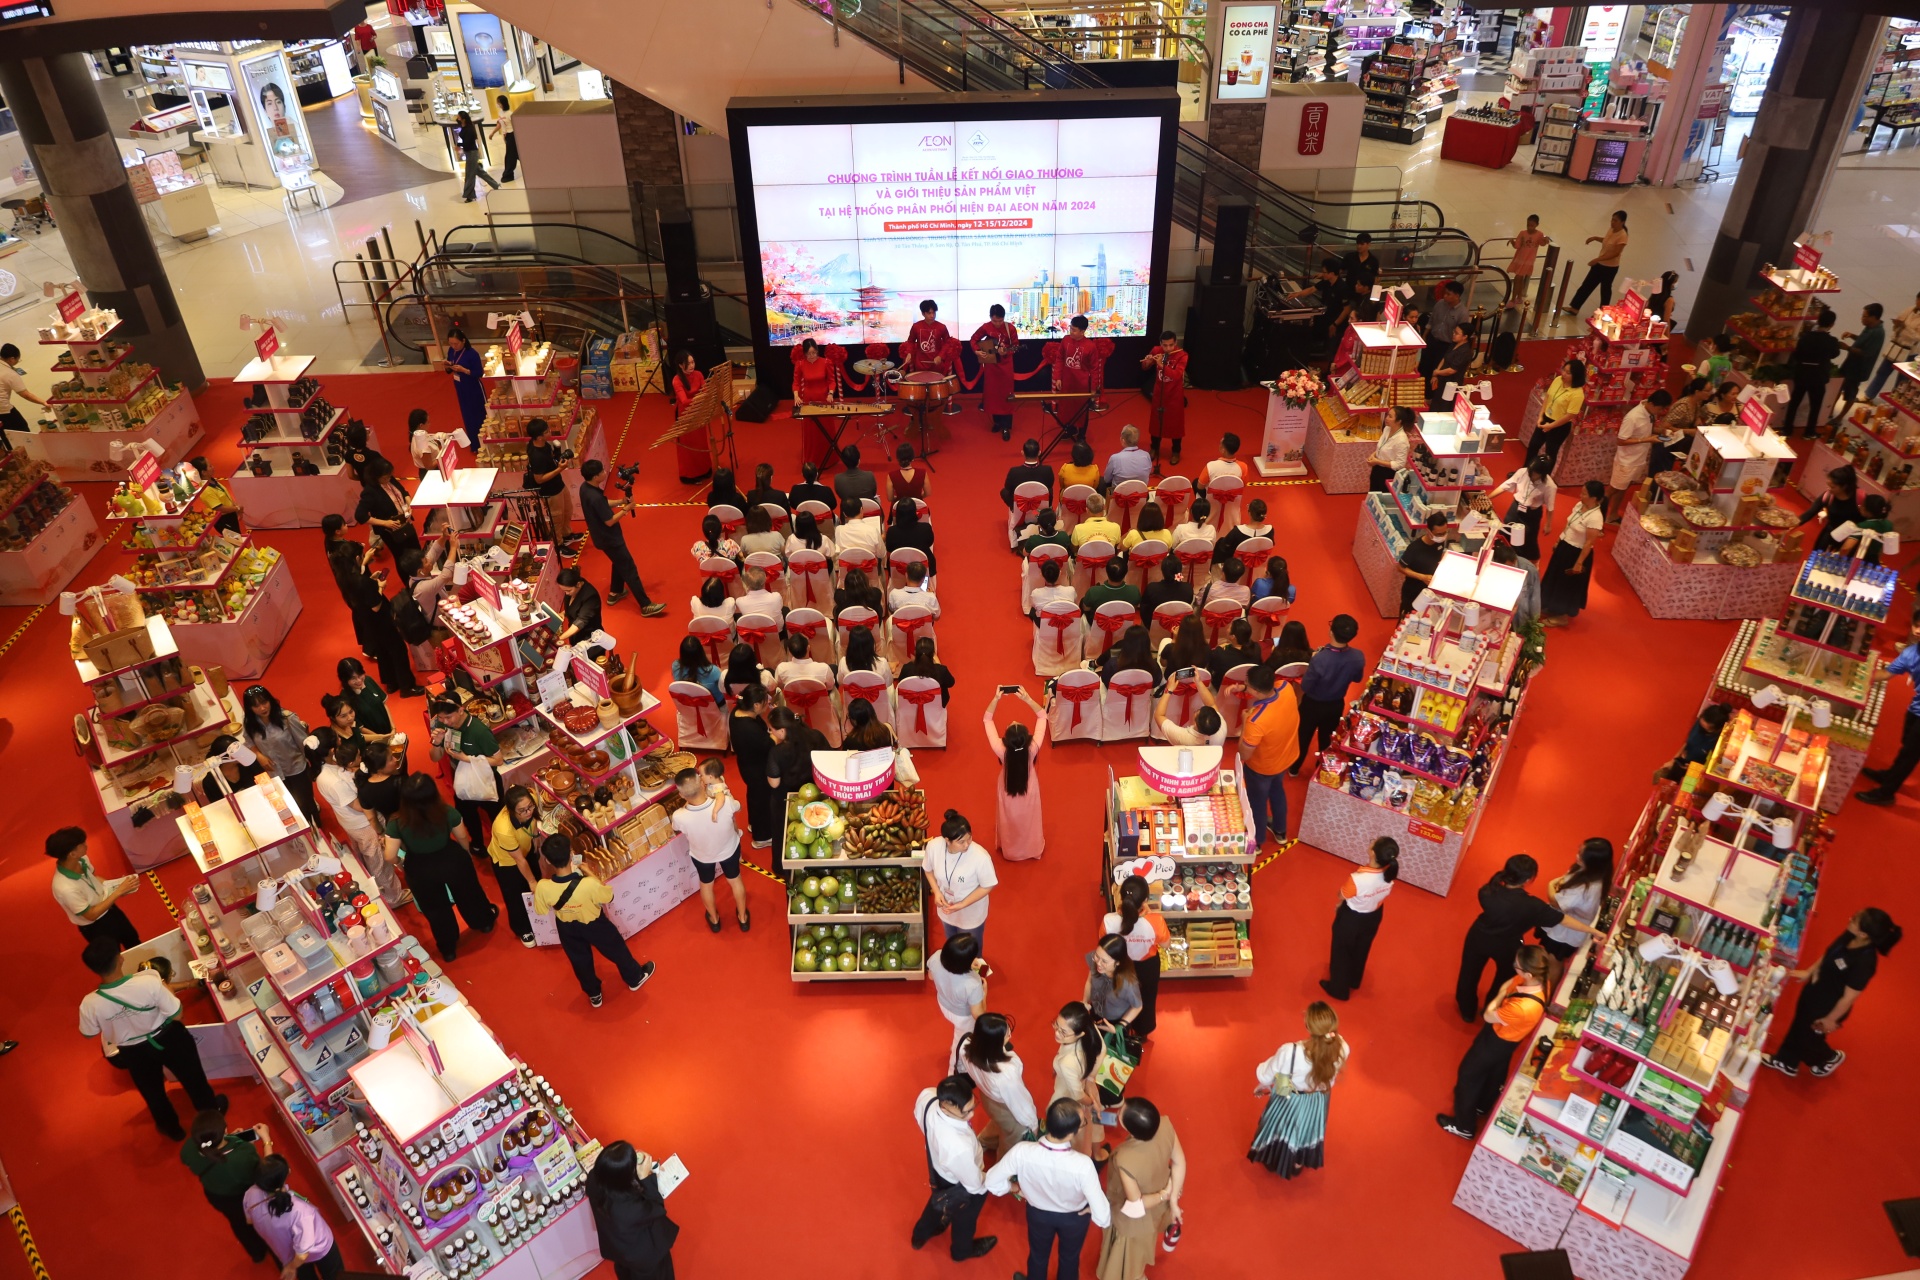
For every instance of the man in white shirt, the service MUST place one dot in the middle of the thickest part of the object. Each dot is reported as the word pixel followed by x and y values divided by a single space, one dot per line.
pixel 1051 588
pixel 800 666
pixel 13 383
pixel 953 1160
pixel 757 599
pixel 915 592
pixel 1636 442
pixel 92 904
pixel 1062 1190
pixel 425 446
pixel 856 531
pixel 713 842
pixel 138 1021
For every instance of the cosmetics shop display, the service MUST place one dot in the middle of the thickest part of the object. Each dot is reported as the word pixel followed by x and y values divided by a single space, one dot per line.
pixel 436 1142
pixel 1418 752
pixel 1881 442
pixel 1376 367
pixel 1183 824
pixel 524 382
pixel 46 537
pixel 230 603
pixel 856 844
pixel 1706 539
pixel 1793 300
pixel 294 470
pixel 1625 354
pixel 1445 468
pixel 153 710
pixel 1825 646
pixel 106 403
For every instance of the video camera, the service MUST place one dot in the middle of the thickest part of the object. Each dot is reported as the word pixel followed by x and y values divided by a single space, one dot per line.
pixel 624 477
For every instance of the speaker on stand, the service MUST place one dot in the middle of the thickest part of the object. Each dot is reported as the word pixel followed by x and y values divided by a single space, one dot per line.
pixel 1216 335
pixel 691 323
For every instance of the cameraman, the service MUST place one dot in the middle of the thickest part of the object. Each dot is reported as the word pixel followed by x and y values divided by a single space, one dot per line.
pixel 546 469
pixel 603 531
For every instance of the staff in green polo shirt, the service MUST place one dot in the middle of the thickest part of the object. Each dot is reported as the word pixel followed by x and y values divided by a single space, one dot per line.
pixel 225 1164
pixel 461 737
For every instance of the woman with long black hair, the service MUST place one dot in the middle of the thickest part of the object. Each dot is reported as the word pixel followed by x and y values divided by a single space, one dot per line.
pixel 373 619
pixel 1390 451
pixel 424 833
pixel 1144 931
pixel 630 1214
pixel 332 541
pixel 296 1231
pixel 789 767
pixel 1838 977
pixel 1357 919
pixel 986 1054
pixel 752 744
pixel 386 506
pixel 1017 830
pixel 1565 397
pixel 1073 1063
pixel 1533 493
pixel 1507 911
pixel 1133 651
pixel 1511 1016
pixel 1839 504
pixel 226 1164
pixel 279 737
pixel 1579 894
pixel 510 847
pixel 1569 571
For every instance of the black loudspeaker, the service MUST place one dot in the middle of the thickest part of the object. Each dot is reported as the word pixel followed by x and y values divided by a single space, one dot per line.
pixel 1215 336
pixel 1547 1264
pixel 1230 223
pixel 692 326
pixel 757 407
pixel 681 259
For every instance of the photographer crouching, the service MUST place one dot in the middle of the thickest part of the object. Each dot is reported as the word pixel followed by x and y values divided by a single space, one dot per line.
pixel 603 530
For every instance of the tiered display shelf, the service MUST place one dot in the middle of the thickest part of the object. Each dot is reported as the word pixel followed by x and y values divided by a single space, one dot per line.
pixel 1377 367
pixel 859 928
pixel 152 711
pixel 1190 843
pixel 46 536
pixel 1881 442
pixel 108 400
pixel 294 473
pixel 1407 85
pixel 1781 314
pixel 1625 354
pixel 524 386
pixel 1420 751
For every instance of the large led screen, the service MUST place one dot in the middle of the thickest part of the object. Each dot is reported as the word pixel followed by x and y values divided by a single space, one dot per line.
pixel 857 223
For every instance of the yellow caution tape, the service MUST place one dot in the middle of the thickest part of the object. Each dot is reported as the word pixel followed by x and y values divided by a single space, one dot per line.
pixel 1274 857
pixel 153 878
pixel 22 628
pixel 27 1246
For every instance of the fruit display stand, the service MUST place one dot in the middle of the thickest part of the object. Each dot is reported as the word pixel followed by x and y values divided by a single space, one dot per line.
pixel 859 844
pixel 466 1162
pixel 1339 442
pixel 1781 313
pixel 525 385
pixel 1882 444
pixel 152 711
pixel 294 472
pixel 1705 540
pixel 108 402
pixel 1183 824
pixel 46 537
pixel 1420 751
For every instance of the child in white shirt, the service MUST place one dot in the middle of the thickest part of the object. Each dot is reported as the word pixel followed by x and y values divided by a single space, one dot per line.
pixel 1197 524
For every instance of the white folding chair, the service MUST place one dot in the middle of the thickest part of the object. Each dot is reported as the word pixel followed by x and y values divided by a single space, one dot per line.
pixel 763 633
pixel 858 616
pixel 724 569
pixel 1226 492
pixel 822 514
pixel 904 626
pixel 770 564
pixel 1183 701
pixel 852 558
pixel 1073 505
pixel 1175 496
pixel 1196 557
pixel 1216 616
pixel 1253 554
pixel 1074 710
pixel 1127 707
pixel 1231 697
pixel 1058 638
pixel 1030 574
pixel 813 701
pixel 715 636
pixel 731 518
pixel 872 686
pixel 808 582
pixel 820 633
pixel 1028 497
pixel 777 514
pixel 1125 500
pixel 1090 563
pixel 897 561
pixel 1268 614
pixel 1110 622
pixel 1143 562
pixel 921 719
pixel 700 722
pixel 1166 620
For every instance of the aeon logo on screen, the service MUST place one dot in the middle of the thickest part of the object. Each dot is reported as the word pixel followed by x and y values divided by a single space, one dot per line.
pixel 936 142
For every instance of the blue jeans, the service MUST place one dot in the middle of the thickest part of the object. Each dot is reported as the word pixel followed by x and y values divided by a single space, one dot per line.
pixel 1880 378
pixel 1266 792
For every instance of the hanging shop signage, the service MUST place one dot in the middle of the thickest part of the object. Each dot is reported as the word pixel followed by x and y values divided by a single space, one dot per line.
pixel 1713 102
pixel 449 462
pixel 1313 128
pixel 1463 411
pixel 1756 413
pixel 1633 304
pixel 1390 311
pixel 484 587
pixel 25 11
pixel 144 471
pixel 267 343
pixel 1246 52
pixel 589 673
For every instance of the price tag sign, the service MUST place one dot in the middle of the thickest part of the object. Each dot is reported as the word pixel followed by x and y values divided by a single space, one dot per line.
pixel 72 306
pixel 588 673
pixel 556 1163
pixel 1390 312
pixel 1632 305
pixel 1755 414
pixel 514 341
pixel 1463 410
pixel 267 343
pixel 1426 830
pixel 144 471
pixel 1806 257
pixel 484 587
pixel 449 462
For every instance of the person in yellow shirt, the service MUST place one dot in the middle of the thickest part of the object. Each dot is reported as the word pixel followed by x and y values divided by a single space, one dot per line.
pixel 218 498
pixel 1269 744
pixel 1096 524
pixel 577 901
pixel 1083 469
pixel 509 845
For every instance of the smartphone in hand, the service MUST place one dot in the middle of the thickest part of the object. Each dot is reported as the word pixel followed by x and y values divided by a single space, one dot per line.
pixel 1010 688
pixel 1184 673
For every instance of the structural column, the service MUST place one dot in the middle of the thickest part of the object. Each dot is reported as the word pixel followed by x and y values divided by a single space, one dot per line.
pixel 65 128
pixel 1825 57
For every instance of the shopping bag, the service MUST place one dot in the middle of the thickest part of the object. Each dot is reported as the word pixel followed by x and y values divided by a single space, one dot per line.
pixel 473 780
pixel 904 772
pixel 1116 1063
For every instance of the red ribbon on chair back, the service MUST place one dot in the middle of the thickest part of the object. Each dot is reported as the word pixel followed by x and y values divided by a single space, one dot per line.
pixel 811 630
pixel 1191 559
pixel 1076 508
pixel 698 705
pixel 1096 563
pixel 1060 622
pixel 1267 618
pixel 1186 693
pixel 752 633
pixel 1027 507
pixel 1124 504
pixel 804 700
pixel 1149 561
pixel 1114 623
pixel 806 564
pixel 910 628
pixel 1130 690
pixel 1079 695
pixel 859 558
pixel 918 699
pixel 729 523
pixel 726 574
pixel 1234 687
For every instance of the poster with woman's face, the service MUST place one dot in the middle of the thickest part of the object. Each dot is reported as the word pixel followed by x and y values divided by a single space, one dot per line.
pixel 486 47
pixel 269 92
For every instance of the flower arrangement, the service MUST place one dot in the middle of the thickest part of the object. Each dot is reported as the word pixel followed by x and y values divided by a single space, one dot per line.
pixel 1299 387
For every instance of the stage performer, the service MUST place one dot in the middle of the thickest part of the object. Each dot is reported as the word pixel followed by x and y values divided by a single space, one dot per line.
pixel 930 348
pixel 996 342
pixel 1079 362
pixel 1169 363
pixel 692 453
pixel 815 377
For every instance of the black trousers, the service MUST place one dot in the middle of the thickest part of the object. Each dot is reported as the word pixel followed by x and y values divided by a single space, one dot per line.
pixel 625 575
pixel 390 653
pixel 1813 390
pixel 477 815
pixel 1802 1044
pixel 1379 479
pixel 1043 1228
pixel 1901 768
pixel 325 1269
pixel 1352 942
pixel 1548 441
pixel 663 1270
pixel 763 823
pixel 1317 715
pixel 1148 972
pixel 173 1050
pixel 1483 1073
pixel 1475 955
pixel 512 885
pixel 232 1208
pixel 363 630
pixel 12 420
pixel 112 923
pixel 439 881
pixel 513 158
pixel 580 941
pixel 963 1222
pixel 1600 278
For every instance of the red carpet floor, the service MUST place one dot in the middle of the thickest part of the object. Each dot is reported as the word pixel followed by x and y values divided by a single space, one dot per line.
pixel 790 1104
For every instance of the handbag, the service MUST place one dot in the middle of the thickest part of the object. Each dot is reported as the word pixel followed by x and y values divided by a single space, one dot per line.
pixel 904 772
pixel 1116 1063
pixel 948 1198
pixel 1282 1085
pixel 473 780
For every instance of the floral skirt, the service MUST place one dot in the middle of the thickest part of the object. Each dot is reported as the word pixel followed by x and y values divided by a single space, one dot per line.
pixel 1292 1134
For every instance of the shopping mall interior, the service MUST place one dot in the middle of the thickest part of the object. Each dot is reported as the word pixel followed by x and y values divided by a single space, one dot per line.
pixel 1530 404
